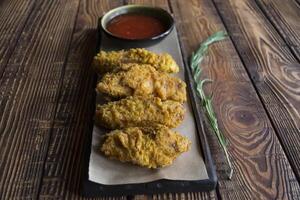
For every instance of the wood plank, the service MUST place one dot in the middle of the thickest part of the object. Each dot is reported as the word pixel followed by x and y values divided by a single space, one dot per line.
pixel 63 167
pixel 13 15
pixel 29 91
pixel 159 3
pixel 272 67
pixel 261 169
pixel 185 196
pixel 178 196
pixel 198 196
pixel 285 17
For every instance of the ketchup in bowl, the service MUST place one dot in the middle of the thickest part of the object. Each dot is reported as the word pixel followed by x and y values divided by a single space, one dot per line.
pixel 135 26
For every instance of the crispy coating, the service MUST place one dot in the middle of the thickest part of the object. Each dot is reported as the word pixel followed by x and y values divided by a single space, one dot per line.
pixel 151 147
pixel 143 81
pixel 135 111
pixel 108 61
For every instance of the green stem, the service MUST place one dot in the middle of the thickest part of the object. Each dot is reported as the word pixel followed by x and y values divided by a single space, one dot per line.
pixel 195 62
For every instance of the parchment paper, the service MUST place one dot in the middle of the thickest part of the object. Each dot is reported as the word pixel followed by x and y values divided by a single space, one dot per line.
pixel 188 166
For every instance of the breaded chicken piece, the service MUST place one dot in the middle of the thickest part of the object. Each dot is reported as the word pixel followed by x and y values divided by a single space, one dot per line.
pixel 143 81
pixel 151 147
pixel 107 61
pixel 134 111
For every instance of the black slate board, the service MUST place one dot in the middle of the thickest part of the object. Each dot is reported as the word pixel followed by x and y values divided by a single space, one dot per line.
pixel 92 189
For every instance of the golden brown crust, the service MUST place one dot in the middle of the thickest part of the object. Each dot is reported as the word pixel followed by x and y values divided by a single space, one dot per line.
pixel 151 147
pixel 144 81
pixel 108 61
pixel 134 111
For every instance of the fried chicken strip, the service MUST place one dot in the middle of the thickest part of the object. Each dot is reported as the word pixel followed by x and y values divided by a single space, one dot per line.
pixel 134 111
pixel 151 147
pixel 108 61
pixel 144 81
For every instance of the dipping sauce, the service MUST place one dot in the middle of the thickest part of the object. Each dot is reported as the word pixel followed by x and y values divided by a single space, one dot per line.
pixel 135 26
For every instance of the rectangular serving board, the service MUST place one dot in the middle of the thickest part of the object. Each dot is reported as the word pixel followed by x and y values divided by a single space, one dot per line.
pixel 91 188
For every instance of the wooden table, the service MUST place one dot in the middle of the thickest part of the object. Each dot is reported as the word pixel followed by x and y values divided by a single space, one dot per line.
pixel 46 48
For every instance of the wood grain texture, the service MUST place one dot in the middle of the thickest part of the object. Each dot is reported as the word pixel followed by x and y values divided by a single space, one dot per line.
pixel 272 67
pixel 261 169
pixel 45 98
pixel 159 3
pixel 64 162
pixel 285 17
pixel 183 196
pixel 13 16
pixel 29 91
pixel 178 196
pixel 186 196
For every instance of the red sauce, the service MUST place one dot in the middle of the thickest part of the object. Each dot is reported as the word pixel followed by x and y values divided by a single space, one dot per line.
pixel 135 26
